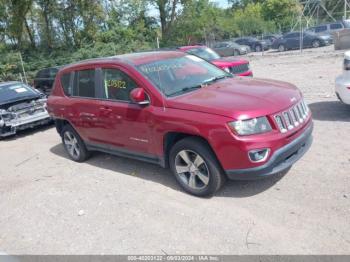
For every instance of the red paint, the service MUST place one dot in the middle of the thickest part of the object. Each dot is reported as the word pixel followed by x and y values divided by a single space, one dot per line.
pixel 223 62
pixel 204 112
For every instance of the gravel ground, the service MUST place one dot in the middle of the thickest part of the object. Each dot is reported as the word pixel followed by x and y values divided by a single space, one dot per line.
pixel 111 205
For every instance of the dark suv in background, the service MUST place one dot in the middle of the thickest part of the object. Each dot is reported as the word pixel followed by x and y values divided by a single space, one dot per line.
pixel 44 79
pixel 292 41
pixel 254 43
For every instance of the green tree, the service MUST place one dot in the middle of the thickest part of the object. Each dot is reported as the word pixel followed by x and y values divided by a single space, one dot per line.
pixel 283 13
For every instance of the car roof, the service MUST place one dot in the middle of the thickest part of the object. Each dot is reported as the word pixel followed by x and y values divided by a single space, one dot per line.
pixel 189 47
pixel 133 59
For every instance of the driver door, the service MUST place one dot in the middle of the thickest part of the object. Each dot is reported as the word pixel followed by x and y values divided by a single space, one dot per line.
pixel 126 126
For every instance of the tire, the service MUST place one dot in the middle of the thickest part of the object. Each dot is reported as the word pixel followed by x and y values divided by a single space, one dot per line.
pixel 258 48
pixel 281 48
pixel 236 52
pixel 316 43
pixel 74 145
pixel 202 174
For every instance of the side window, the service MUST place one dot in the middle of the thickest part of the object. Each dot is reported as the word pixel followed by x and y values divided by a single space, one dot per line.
pixel 336 26
pixel 321 29
pixel 53 72
pixel 66 84
pixel 43 73
pixel 84 83
pixel 117 85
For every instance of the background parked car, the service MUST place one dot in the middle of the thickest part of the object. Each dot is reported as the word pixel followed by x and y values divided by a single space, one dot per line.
pixel 292 41
pixel 254 44
pixel 231 49
pixel 342 86
pixel 234 65
pixel 21 107
pixel 329 28
pixel 44 79
pixel 271 38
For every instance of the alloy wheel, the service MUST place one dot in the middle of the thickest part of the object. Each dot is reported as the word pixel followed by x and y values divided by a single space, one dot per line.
pixel 316 44
pixel 281 48
pixel 192 169
pixel 71 144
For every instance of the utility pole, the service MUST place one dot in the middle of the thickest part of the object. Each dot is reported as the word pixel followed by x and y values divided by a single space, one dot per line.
pixel 345 8
pixel 24 72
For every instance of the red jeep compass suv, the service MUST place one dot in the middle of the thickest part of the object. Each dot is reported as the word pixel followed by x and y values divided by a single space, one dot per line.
pixel 180 111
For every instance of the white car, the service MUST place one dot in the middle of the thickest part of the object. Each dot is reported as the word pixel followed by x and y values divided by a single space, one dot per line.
pixel 342 83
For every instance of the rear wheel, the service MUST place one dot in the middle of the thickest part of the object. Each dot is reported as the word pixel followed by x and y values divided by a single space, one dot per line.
pixel 281 48
pixel 195 167
pixel 74 145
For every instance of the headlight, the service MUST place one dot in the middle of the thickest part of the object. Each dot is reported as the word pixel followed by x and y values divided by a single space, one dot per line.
pixel 251 126
pixel 227 70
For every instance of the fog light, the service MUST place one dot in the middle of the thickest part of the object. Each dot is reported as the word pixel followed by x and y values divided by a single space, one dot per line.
pixel 259 155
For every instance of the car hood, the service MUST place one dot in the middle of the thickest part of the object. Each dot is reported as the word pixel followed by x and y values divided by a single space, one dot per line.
pixel 229 61
pixel 8 103
pixel 239 98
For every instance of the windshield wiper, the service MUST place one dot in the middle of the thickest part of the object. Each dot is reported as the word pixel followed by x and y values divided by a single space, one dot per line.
pixel 214 79
pixel 203 84
pixel 185 89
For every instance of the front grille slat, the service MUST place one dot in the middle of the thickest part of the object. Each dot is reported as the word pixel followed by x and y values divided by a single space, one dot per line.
pixel 239 69
pixel 293 117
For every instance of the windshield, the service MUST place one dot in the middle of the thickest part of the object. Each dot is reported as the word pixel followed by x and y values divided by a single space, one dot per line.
pixel 16 91
pixel 204 53
pixel 179 75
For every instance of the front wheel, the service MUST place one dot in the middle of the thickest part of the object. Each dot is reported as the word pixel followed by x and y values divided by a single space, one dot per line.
pixel 258 48
pixel 316 44
pixel 281 48
pixel 195 167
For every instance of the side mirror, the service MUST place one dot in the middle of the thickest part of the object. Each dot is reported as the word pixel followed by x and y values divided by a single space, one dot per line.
pixel 138 95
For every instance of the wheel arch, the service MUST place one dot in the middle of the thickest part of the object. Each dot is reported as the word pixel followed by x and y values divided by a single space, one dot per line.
pixel 171 138
pixel 60 123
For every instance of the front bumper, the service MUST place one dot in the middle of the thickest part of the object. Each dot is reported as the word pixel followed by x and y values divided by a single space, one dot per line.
pixel 281 160
pixel 247 73
pixel 341 89
pixel 11 127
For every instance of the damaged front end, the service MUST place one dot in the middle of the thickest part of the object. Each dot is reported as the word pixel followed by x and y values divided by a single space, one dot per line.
pixel 23 115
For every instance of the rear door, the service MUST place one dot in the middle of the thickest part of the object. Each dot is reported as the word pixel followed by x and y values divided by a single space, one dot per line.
pixel 83 108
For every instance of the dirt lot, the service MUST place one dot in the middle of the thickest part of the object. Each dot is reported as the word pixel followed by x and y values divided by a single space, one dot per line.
pixel 109 205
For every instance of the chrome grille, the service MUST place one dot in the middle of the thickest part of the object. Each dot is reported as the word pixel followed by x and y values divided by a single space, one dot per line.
pixel 293 117
pixel 239 69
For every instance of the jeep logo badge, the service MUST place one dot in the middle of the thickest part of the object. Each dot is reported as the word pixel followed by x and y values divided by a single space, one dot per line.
pixel 293 99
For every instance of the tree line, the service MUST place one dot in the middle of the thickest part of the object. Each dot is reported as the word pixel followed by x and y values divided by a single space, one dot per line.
pixel 56 32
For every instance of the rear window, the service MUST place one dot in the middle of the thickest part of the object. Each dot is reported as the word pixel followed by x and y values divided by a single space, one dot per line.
pixel 336 26
pixel 84 83
pixel 321 29
pixel 66 84
pixel 43 73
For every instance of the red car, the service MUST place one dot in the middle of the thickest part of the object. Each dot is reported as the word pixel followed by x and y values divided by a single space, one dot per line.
pixel 231 64
pixel 180 111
